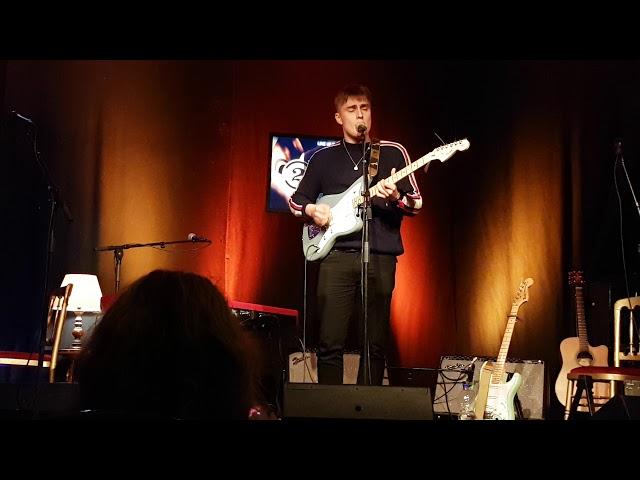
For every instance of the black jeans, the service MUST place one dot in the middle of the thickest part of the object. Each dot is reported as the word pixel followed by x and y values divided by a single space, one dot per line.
pixel 338 288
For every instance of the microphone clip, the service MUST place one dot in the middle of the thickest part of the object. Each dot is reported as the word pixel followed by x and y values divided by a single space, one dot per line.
pixel 197 238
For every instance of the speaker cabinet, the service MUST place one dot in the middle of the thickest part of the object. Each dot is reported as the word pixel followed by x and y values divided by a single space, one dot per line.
pixel 531 393
pixel 307 371
pixel 309 400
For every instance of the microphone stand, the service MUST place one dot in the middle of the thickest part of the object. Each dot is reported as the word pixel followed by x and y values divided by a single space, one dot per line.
pixel 364 284
pixel 118 252
pixel 619 154
pixel 618 149
pixel 55 200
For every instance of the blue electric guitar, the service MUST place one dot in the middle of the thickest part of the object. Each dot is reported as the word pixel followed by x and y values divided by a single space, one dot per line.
pixel 345 207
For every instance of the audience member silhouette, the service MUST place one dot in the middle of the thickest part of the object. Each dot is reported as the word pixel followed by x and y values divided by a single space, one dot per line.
pixel 169 347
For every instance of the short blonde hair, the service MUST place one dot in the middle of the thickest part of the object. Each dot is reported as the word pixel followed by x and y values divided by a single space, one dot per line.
pixel 351 90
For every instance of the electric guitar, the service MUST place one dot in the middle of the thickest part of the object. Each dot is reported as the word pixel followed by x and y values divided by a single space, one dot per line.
pixel 495 398
pixel 345 207
pixel 576 351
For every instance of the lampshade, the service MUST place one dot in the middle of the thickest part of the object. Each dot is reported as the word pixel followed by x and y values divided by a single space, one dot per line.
pixel 86 293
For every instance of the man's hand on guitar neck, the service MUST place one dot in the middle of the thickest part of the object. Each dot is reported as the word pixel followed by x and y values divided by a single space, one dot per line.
pixel 386 189
pixel 319 213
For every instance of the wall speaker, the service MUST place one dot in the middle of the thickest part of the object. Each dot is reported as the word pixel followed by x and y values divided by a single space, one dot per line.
pixel 531 393
pixel 309 400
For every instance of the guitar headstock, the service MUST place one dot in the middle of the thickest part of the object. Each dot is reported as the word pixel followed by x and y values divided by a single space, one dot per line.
pixel 522 295
pixel 446 151
pixel 576 278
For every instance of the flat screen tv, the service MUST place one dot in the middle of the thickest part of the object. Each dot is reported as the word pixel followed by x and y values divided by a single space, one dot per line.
pixel 289 153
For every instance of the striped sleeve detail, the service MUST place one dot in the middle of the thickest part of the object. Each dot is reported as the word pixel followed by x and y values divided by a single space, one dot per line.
pixel 295 208
pixel 405 205
pixel 410 202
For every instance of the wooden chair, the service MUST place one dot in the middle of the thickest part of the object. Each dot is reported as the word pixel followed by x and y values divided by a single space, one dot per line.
pixel 583 378
pixel 619 352
pixel 56 315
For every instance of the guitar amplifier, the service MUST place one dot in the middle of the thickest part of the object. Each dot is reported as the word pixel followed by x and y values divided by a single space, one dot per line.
pixel 632 388
pixel 306 370
pixel 531 393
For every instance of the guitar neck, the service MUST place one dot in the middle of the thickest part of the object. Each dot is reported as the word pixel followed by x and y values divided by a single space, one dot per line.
pixel 498 368
pixel 583 341
pixel 441 153
pixel 409 169
pixel 400 174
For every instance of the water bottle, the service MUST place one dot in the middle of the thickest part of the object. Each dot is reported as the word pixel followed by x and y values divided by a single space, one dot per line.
pixel 467 402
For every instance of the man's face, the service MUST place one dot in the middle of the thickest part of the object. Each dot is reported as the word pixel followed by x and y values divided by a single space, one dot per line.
pixel 354 112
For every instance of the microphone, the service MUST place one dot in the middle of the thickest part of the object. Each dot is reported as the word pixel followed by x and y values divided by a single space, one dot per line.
pixel 361 128
pixel 617 146
pixel 196 238
pixel 22 117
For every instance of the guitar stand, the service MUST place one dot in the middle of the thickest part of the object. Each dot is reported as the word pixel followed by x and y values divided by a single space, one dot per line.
pixel 518 405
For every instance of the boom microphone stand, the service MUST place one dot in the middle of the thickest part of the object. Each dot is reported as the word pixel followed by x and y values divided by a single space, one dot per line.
pixel 55 200
pixel 118 250
pixel 618 152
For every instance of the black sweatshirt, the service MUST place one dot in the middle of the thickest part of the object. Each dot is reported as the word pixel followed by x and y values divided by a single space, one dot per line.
pixel 331 171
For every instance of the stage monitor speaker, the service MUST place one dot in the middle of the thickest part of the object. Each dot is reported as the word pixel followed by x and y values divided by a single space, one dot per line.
pixel 619 407
pixel 309 400
pixel 531 393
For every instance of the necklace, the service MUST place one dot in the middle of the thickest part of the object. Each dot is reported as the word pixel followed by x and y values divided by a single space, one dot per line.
pixel 355 164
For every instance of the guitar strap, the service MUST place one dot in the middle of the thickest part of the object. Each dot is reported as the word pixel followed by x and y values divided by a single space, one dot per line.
pixel 374 158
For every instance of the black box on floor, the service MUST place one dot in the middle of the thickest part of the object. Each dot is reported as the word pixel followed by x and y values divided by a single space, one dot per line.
pixel 309 400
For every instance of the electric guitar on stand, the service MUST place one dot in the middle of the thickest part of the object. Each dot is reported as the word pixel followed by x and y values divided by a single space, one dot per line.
pixel 576 351
pixel 495 398
pixel 345 207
